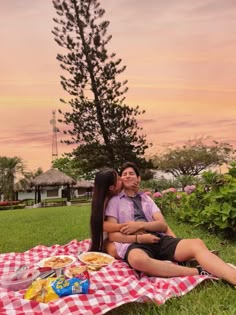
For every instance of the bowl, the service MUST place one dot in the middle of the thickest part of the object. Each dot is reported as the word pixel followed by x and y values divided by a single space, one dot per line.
pixel 18 280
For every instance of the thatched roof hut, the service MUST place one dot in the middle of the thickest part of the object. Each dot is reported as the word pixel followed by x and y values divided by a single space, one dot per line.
pixel 84 184
pixel 52 177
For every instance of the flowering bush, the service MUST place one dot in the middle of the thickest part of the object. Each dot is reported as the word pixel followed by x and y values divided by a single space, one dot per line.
pixel 9 203
pixel 189 189
pixel 167 200
pixel 157 195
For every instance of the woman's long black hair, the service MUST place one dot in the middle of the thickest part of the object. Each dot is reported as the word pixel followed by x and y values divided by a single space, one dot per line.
pixel 103 180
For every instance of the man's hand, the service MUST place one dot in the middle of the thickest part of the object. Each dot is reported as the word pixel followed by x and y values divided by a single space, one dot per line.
pixel 147 238
pixel 131 227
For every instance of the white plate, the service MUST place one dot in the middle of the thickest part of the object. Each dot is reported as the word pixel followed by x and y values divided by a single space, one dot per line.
pixel 101 259
pixel 43 261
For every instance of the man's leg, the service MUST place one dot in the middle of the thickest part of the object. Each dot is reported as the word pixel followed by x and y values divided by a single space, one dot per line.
pixel 195 248
pixel 139 260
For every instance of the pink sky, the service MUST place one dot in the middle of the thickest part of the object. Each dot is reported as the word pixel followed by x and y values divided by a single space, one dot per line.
pixel 181 68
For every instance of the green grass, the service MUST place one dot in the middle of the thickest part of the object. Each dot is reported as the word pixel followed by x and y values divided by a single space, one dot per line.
pixel 21 230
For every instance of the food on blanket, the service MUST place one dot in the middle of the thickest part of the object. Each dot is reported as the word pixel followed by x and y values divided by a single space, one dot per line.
pixel 94 267
pixel 18 280
pixel 93 258
pixel 57 262
pixel 46 290
pixel 75 271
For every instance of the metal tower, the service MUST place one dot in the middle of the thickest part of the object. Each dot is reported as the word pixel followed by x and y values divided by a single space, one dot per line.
pixel 54 136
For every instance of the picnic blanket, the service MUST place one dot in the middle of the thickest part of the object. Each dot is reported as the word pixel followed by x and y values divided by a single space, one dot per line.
pixel 110 287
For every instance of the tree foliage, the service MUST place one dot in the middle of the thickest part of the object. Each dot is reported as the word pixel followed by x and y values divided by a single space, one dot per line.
pixel 105 130
pixel 24 182
pixel 232 169
pixel 69 166
pixel 10 167
pixel 194 157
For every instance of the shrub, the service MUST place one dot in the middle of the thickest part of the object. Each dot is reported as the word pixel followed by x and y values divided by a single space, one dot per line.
pixel 167 200
pixel 18 206
pixel 214 209
pixel 8 203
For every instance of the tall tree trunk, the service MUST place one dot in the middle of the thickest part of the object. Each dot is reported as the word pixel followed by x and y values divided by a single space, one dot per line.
pixel 94 89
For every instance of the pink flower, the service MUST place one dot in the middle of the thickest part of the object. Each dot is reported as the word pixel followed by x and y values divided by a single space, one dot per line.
pixel 178 196
pixel 157 195
pixel 189 189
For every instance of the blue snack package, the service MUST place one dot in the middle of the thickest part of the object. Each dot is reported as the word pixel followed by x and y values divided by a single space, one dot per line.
pixel 63 287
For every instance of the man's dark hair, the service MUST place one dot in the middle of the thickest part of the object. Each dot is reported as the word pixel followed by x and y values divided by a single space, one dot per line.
pixel 127 165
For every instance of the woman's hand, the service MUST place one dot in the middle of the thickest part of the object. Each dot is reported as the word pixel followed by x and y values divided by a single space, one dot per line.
pixel 131 227
pixel 147 238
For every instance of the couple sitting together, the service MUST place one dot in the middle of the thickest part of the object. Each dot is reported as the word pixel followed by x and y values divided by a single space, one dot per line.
pixel 138 233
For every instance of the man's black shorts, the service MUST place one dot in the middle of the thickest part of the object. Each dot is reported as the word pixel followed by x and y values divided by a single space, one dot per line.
pixel 163 250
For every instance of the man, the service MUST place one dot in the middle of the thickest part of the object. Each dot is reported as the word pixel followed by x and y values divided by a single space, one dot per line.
pixel 145 219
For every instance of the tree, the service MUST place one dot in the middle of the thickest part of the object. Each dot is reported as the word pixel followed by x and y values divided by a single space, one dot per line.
pixel 10 167
pixel 232 169
pixel 105 129
pixel 25 182
pixel 68 166
pixel 194 157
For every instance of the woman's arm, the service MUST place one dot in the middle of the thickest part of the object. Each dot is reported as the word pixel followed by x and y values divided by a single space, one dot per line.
pixel 122 238
pixel 145 238
pixel 158 225
pixel 112 226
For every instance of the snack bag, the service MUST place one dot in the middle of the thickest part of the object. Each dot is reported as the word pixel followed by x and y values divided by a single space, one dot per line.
pixel 46 290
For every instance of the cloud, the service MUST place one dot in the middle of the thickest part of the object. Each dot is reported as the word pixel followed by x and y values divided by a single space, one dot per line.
pixel 214 8
pixel 146 121
pixel 33 139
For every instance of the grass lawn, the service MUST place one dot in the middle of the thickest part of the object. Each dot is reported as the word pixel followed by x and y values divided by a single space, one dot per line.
pixel 21 230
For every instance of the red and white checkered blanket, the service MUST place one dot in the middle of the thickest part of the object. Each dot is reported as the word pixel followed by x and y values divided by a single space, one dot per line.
pixel 110 287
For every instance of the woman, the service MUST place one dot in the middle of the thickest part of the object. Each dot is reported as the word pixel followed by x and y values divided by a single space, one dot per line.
pixel 107 184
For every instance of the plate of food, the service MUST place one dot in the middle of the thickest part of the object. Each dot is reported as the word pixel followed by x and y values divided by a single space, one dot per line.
pixel 56 262
pixel 96 259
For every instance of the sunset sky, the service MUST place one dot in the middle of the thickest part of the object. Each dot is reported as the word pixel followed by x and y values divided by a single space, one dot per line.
pixel 181 68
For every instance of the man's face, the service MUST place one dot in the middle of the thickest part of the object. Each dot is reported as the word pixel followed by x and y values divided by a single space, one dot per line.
pixel 129 178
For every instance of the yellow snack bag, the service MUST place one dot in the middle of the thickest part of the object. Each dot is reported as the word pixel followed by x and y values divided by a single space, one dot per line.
pixel 41 291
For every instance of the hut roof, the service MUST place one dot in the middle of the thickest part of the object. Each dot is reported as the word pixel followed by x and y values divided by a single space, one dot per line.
pixel 84 184
pixel 52 177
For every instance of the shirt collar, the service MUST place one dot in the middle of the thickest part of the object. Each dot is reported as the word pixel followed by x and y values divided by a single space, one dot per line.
pixel 122 194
